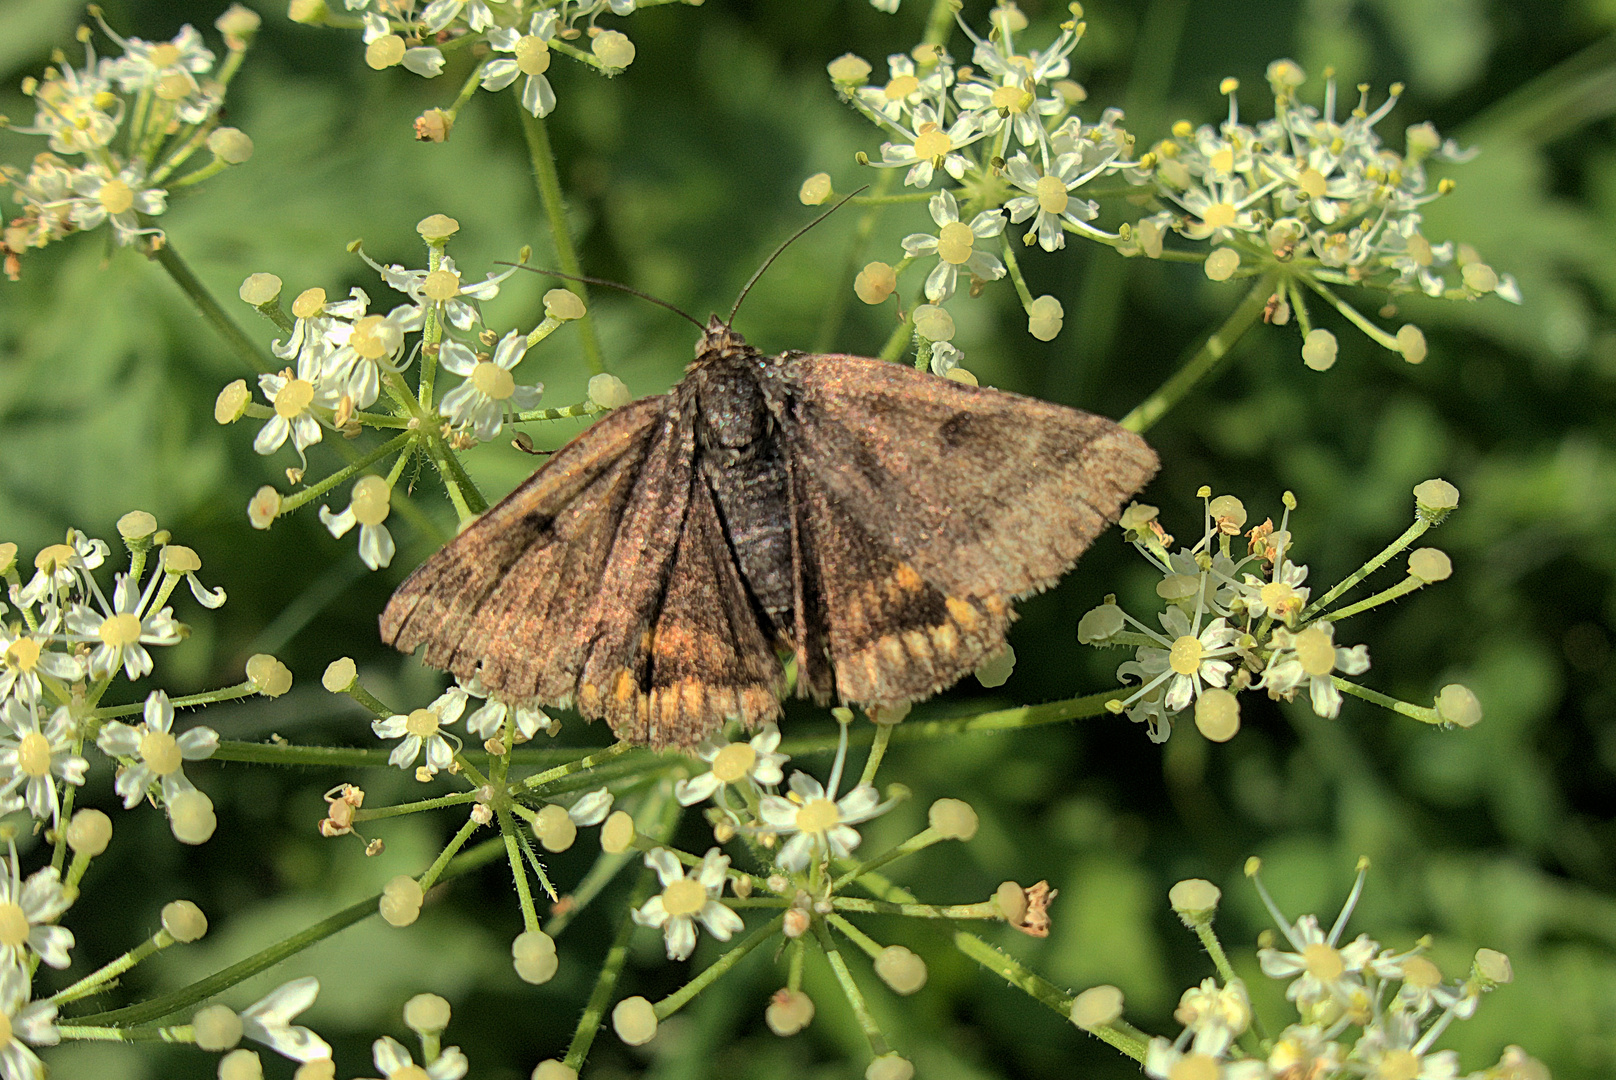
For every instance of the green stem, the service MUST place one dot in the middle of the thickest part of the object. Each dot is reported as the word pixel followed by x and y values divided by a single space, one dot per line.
pixel 97 979
pixel 169 1004
pixel 314 491
pixel 925 838
pixel 1214 949
pixel 542 159
pixel 1411 534
pixel 850 990
pixel 243 346
pixel 1385 596
pixel 717 969
pixel 878 750
pixel 538 780
pixel 986 909
pixel 335 757
pixel 524 895
pixel 1205 360
pixel 1402 708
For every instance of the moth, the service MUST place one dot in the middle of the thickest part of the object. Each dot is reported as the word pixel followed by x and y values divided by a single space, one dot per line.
pixel 869 522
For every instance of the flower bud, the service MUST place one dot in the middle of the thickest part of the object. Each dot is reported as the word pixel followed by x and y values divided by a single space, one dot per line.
pixel 1429 564
pixel 191 818
pixel 1195 900
pixel 401 900
pixel 1217 714
pixel 564 305
pixel 269 676
pixel 1457 705
pixel 553 1070
pixel 1319 349
pixel 230 145
pixel 609 392
pixel 875 283
pixel 952 819
pixel 554 828
pixel 217 1028
pixel 340 675
pixel 849 70
pixel 426 1014
pixel 901 969
pixel 617 835
pixel 184 921
pixel 891 1066
pixel 533 954
pixel 231 405
pixel 815 190
pixel 1222 263
pixel 89 832
pixel 1045 317
pixel 789 1012
pixel 635 1021
pixel 614 50
pixel 1097 1007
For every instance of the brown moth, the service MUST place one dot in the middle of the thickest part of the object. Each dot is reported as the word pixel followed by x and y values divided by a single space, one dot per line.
pixel 869 520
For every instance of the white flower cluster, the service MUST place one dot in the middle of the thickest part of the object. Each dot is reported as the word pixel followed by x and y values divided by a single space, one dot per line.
pixel 172 93
pixel 342 357
pixel 518 45
pixel 1310 198
pixel 66 641
pixel 1230 625
pixel 1363 1010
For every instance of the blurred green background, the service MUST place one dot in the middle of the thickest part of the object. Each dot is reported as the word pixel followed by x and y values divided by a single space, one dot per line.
pixel 683 174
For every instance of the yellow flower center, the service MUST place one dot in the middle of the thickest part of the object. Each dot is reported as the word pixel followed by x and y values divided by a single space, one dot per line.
pixel 440 285
pixel 1011 99
pixel 53 558
pixel 34 754
pixel 931 144
pixel 422 722
pixel 160 752
pixel 1315 651
pixel 13 926
pixel 1419 249
pixel 1219 215
pixel 532 55
pixel 1278 598
pixel 165 55
pixel 374 337
pixel 309 303
pixel 734 762
pixel 116 196
pixel 1194 1067
pixel 295 396
pixel 954 241
pixel 1185 655
pixel 120 631
pixel 1311 183
pixel 1052 197
pixel 1323 962
pixel 1222 161
pixel 1420 973
pixel 174 86
pixel 372 500
pixel 1398 1064
pixel 818 815
pixel 494 381
pixel 902 87
pixel 684 897
pixel 411 1071
pixel 22 655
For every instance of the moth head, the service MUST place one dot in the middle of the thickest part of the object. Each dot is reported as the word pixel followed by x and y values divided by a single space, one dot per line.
pixel 717 337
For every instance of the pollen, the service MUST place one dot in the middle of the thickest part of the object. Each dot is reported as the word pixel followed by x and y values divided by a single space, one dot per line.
pixel 374 337
pixel 734 762
pixel 160 752
pixel 440 285
pixel 22 655
pixel 34 754
pixel 1315 651
pixel 1185 655
pixel 116 196
pixel 492 380
pixel 684 897
pixel 1323 961
pixel 422 723
pixel 818 816
pixel 901 87
pixel 120 631
pixel 532 55
pixel 932 144
pixel 1052 196
pixel 954 242
pixel 296 396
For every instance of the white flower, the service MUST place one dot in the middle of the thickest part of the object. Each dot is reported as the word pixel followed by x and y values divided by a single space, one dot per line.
pixel 60 567
pixel 819 827
pixel 369 507
pixel 1186 659
pixel 1167 1061
pixel 1281 598
pixel 531 57
pixel 294 399
pixel 269 1021
pixel 28 1023
pixel 27 911
pixel 122 630
pixel 592 808
pixel 25 657
pixel 145 63
pixel 1323 972
pixel 1310 656
pixel 103 196
pixel 395 1062
pixel 489 720
pixel 367 346
pixel 34 758
pixel 441 288
pixel 683 901
pixel 930 145
pixel 905 88
pixel 1048 198
pixel 159 758
pixel 755 760
pixel 72 108
pixel 440 13
pixel 320 329
pixel 954 246
pixel 482 400
pixel 423 728
pixel 1396 1047
pixel 424 60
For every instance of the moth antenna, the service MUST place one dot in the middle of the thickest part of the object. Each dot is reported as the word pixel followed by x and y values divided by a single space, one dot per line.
pixel 781 249
pixel 619 286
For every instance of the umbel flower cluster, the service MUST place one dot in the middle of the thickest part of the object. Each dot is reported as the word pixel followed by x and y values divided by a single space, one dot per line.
pixel 346 369
pixel 1251 623
pixel 512 43
pixel 1361 1009
pixel 123 130
pixel 1303 202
